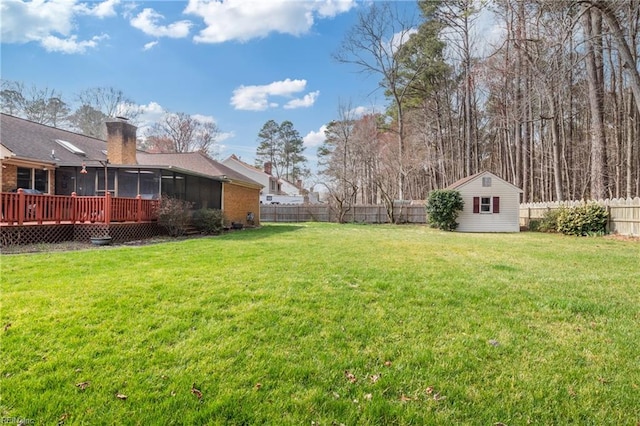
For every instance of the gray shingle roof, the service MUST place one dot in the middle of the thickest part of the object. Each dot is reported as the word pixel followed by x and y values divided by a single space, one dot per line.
pixel 194 161
pixel 35 141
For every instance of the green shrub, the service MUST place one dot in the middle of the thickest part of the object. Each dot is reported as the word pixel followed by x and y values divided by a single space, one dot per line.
pixel 208 221
pixel 549 222
pixel 534 225
pixel 443 206
pixel 174 215
pixel 587 219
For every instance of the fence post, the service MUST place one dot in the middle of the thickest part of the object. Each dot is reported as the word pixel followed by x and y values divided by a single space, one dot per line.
pixel 107 207
pixel 21 206
pixel 74 207
pixel 139 203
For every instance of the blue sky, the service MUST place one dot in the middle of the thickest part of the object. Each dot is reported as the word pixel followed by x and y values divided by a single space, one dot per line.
pixel 236 62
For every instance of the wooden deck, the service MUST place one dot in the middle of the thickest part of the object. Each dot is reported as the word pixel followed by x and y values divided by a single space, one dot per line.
pixel 20 209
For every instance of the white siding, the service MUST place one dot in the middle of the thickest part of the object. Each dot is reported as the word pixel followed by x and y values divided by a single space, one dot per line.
pixel 253 174
pixel 261 177
pixel 506 221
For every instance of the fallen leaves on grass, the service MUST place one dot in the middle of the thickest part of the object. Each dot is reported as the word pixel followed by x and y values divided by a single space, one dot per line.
pixel 121 396
pixel 258 386
pixel 350 376
pixel 405 398
pixel 387 363
pixel 437 396
pixel 7 326
pixel 82 385
pixel 195 391
pixel 374 378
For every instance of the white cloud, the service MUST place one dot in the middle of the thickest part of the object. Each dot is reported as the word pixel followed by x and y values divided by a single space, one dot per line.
pixel 101 10
pixel 69 45
pixel 400 38
pixel 256 98
pixel 150 45
pixel 223 136
pixel 149 114
pixel 244 20
pixel 308 100
pixel 314 139
pixel 204 118
pixel 50 23
pixel 147 22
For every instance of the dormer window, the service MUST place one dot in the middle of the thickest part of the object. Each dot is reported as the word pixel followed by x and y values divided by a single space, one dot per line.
pixel 71 147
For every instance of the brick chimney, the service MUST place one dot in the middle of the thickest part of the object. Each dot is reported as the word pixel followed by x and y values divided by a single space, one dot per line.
pixel 268 167
pixel 121 141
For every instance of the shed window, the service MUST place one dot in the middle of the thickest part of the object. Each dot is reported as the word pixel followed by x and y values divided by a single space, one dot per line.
pixel 486 204
pixel 486 181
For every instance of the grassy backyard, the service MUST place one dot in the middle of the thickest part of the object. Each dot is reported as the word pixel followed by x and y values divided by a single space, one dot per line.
pixel 325 324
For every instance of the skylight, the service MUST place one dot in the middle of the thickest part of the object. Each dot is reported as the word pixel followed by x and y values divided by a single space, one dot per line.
pixel 71 147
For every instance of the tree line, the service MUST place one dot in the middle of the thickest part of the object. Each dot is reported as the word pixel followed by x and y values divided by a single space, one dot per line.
pixel 553 105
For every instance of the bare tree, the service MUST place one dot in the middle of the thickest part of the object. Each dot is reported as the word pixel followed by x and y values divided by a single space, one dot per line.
pixel 372 45
pixel 592 26
pixel 98 104
pixel 180 132
pixel 338 158
pixel 41 105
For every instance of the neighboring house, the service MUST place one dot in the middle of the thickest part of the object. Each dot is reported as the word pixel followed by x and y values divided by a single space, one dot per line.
pixel 276 190
pixel 60 162
pixel 491 204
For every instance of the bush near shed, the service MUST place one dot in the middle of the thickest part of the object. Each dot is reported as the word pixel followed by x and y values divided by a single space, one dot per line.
pixel 584 220
pixel 443 206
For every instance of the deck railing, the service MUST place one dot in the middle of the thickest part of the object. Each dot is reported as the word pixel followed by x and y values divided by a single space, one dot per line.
pixel 19 208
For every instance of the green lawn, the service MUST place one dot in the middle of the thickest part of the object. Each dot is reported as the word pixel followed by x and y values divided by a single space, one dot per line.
pixel 325 324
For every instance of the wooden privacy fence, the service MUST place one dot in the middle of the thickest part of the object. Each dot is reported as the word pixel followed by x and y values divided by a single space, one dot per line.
pixel 624 213
pixel 324 213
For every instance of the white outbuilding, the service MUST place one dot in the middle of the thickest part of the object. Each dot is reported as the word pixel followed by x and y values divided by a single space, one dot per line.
pixel 491 204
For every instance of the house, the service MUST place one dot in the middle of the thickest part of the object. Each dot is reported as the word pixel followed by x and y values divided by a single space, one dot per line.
pixel 276 190
pixel 240 195
pixel 59 162
pixel 491 204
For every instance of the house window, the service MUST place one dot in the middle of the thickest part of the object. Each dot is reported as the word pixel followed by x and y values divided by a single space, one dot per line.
pixel 486 182
pixel 33 179
pixel 486 205
pixel 24 178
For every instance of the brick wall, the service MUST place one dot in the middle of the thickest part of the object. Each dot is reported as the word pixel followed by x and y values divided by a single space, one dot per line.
pixel 9 176
pixel 238 201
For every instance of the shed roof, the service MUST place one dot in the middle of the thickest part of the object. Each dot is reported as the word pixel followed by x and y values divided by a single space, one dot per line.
pixel 462 182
